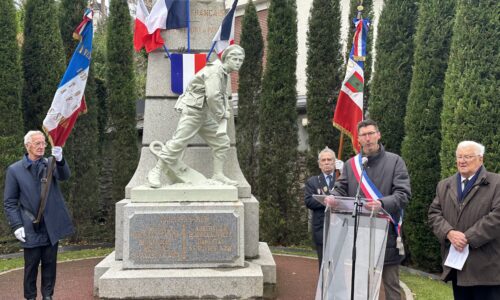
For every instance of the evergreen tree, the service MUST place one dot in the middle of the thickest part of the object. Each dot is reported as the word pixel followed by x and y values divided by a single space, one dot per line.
pixel 70 15
pixel 422 126
pixel 11 134
pixel 43 61
pixel 249 89
pixel 324 62
pixel 280 201
pixel 367 13
pixel 393 70
pixel 82 191
pixel 122 152
pixel 471 104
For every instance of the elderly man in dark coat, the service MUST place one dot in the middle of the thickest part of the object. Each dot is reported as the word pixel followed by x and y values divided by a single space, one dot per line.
pixel 321 184
pixel 465 214
pixel 22 198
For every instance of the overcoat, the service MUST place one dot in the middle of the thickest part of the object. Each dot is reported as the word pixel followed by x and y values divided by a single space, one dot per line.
pixel 389 174
pixel 22 200
pixel 316 185
pixel 478 216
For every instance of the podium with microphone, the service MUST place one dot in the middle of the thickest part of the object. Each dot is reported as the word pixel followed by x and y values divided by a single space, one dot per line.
pixel 355 239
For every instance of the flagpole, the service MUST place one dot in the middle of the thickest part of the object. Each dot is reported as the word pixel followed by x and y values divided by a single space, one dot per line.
pixel 339 152
pixel 211 50
pixel 188 28
pixel 166 50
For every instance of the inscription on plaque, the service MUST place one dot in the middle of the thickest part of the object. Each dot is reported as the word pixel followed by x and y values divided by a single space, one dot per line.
pixel 173 238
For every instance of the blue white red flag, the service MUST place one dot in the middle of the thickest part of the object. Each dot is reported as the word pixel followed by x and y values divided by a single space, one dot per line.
pixel 225 35
pixel 349 108
pixel 165 14
pixel 168 14
pixel 184 67
pixel 69 100
pixel 87 17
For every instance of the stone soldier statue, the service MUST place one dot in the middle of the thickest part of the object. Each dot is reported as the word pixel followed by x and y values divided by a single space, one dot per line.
pixel 205 110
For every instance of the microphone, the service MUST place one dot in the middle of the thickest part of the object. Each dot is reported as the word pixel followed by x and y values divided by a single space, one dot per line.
pixel 364 161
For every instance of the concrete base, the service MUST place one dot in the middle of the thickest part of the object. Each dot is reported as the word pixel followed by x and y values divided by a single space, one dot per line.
pixel 209 283
pixel 185 192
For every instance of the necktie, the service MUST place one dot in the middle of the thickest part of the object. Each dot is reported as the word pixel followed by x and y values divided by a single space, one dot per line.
pixel 465 182
pixel 329 181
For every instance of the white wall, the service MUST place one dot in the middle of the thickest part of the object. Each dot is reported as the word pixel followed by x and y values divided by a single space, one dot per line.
pixel 303 9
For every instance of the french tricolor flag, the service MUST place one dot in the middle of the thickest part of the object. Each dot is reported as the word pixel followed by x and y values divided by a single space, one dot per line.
pixel 142 37
pixel 184 67
pixel 69 100
pixel 225 35
pixel 165 14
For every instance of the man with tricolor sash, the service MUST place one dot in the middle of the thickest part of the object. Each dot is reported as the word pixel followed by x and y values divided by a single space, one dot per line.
pixel 384 180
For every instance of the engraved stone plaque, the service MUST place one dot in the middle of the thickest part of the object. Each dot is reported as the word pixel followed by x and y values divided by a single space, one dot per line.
pixel 183 239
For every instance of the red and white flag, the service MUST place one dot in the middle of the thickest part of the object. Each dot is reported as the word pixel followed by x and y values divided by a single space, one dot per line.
pixel 349 108
pixel 142 37
pixel 69 100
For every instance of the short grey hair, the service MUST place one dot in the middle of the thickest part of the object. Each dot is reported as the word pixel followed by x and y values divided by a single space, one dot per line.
pixel 479 147
pixel 326 150
pixel 30 134
pixel 232 50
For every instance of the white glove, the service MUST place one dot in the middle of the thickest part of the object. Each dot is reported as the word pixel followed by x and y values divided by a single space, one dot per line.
pixel 339 165
pixel 19 233
pixel 57 153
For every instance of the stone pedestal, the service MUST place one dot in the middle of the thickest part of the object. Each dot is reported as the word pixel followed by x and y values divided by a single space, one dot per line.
pixel 183 235
pixel 182 241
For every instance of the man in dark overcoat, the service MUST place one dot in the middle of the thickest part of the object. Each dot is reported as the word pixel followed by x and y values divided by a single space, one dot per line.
pixel 389 176
pixel 321 184
pixel 465 215
pixel 22 198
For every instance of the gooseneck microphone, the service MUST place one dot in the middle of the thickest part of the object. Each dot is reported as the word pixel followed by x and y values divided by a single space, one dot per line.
pixel 364 161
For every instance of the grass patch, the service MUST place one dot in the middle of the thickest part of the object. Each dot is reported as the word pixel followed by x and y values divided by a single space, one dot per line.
pixel 308 252
pixel 424 288
pixel 13 263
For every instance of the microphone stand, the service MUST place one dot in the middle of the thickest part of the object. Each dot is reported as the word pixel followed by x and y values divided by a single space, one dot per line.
pixel 358 206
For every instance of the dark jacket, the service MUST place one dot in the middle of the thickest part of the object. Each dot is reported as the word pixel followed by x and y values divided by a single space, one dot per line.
pixel 478 216
pixel 22 200
pixel 388 173
pixel 316 185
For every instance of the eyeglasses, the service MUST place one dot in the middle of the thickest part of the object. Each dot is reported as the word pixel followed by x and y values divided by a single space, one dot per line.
pixel 466 157
pixel 39 144
pixel 368 134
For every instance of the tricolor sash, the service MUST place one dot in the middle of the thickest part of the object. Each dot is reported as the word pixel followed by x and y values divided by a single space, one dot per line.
pixel 369 189
pixel 371 192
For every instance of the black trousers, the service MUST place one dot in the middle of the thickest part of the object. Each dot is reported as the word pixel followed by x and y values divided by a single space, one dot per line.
pixel 47 255
pixel 476 292
pixel 319 251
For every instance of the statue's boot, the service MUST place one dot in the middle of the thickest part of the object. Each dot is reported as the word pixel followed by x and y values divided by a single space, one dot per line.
pixel 219 174
pixel 154 174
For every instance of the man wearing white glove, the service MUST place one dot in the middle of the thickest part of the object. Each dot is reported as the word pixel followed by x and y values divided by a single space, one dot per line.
pixel 57 153
pixel 22 198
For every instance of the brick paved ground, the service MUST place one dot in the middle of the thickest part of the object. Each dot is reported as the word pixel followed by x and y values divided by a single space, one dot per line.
pixel 296 280
pixel 296 276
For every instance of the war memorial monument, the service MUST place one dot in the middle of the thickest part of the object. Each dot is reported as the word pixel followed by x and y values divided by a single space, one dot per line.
pixel 193 234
